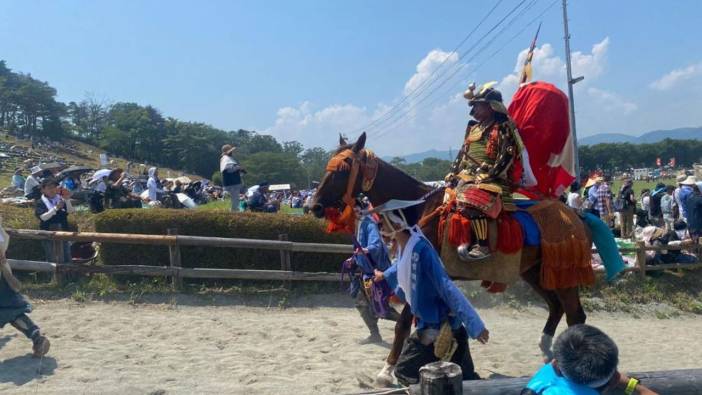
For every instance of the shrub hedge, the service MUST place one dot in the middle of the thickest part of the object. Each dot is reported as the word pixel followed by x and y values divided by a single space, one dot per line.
pixel 217 224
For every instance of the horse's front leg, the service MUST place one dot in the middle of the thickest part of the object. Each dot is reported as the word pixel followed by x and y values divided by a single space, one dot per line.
pixel 403 326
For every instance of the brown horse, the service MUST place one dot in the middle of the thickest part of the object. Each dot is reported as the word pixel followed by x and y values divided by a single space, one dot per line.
pixel 392 183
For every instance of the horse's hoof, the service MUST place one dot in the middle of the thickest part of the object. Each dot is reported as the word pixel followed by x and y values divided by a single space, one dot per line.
pixel 385 377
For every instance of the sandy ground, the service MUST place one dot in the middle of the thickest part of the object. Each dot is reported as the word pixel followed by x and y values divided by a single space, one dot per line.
pixel 199 345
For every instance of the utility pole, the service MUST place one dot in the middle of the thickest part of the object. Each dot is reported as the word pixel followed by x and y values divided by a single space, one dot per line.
pixel 571 81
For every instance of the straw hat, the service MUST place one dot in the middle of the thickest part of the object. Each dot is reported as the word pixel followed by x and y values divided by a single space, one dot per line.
pixel 690 180
pixel 680 178
pixel 228 149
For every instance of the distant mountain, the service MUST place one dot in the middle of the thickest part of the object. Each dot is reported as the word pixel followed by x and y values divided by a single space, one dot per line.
pixel 418 157
pixel 646 138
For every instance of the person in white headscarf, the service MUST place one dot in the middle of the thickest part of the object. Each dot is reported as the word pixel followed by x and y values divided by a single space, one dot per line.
pixel 14 307
pixel 443 314
pixel 154 186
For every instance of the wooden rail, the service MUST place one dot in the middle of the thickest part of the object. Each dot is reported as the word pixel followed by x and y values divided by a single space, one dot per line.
pixel 174 242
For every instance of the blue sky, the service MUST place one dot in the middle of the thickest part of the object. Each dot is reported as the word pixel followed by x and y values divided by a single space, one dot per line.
pixel 307 70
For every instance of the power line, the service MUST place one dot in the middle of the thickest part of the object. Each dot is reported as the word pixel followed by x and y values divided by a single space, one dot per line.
pixel 470 50
pixel 399 121
pixel 437 98
pixel 416 105
pixel 456 48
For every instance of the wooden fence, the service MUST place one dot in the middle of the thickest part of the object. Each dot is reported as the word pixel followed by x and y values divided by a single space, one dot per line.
pixel 173 241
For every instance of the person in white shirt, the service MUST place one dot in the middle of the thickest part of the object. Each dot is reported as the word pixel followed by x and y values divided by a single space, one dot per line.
pixel 154 186
pixel 575 199
pixel 33 180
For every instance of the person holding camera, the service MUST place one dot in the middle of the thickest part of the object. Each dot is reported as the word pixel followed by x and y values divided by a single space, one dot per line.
pixel 52 210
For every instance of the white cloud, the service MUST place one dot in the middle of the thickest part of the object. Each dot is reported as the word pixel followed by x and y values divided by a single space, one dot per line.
pixel 611 102
pixel 435 60
pixel 437 126
pixel 442 124
pixel 317 127
pixel 676 77
pixel 548 66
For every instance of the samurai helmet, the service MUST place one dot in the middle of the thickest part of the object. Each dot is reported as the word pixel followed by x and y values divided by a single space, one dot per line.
pixel 486 94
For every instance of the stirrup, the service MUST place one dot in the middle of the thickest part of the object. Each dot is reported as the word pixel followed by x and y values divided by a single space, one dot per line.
pixel 475 253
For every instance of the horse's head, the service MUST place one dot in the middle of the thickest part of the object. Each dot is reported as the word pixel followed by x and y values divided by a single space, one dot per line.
pixel 342 180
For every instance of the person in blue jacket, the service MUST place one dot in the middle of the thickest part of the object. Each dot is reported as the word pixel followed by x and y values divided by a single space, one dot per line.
pixel 371 253
pixel 419 278
pixel 585 363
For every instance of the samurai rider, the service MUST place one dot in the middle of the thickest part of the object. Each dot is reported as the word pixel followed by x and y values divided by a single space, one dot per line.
pixel 14 307
pixel 444 318
pixel 483 169
pixel 370 253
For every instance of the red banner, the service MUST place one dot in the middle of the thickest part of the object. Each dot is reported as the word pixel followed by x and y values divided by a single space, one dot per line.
pixel 658 162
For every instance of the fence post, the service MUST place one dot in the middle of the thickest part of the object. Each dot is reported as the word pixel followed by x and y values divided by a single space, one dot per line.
pixel 57 247
pixel 284 255
pixel 641 258
pixel 174 261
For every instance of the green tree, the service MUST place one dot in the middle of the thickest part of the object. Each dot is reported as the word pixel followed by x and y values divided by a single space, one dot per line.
pixel 314 161
pixel 274 167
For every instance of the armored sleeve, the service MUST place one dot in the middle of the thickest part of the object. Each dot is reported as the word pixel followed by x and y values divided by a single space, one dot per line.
pixel 506 154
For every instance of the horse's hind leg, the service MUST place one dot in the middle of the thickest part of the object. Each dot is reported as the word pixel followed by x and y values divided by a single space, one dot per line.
pixel 403 326
pixel 570 300
pixel 555 311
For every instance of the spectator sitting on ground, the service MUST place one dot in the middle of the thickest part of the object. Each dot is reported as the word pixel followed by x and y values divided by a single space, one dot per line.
pixel 177 186
pixel 585 363
pixel 17 179
pixel 258 200
pixel 659 237
pixel 33 181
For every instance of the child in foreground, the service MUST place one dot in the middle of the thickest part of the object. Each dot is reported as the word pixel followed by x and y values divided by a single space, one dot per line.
pixel 585 363
pixel 14 307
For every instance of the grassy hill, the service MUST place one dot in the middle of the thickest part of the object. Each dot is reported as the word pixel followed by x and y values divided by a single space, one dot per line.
pixel 72 152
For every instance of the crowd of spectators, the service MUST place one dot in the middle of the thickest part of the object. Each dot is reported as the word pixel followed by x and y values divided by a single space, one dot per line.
pixel 666 215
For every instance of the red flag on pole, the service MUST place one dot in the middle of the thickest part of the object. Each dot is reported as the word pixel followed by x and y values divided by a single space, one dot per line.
pixel 658 162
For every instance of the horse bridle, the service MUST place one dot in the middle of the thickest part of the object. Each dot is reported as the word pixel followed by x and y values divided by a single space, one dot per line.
pixel 369 169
